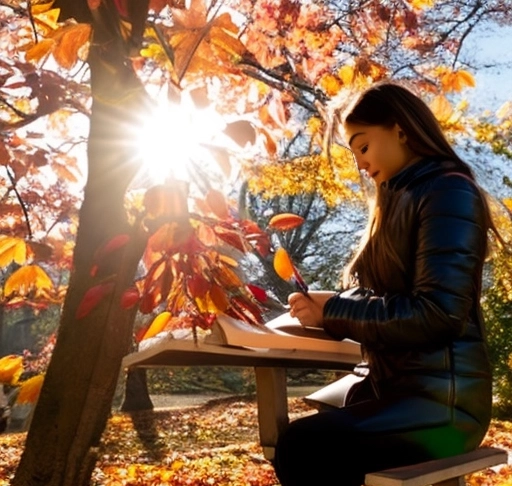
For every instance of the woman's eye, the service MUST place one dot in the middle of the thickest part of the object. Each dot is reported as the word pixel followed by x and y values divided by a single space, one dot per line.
pixel 364 149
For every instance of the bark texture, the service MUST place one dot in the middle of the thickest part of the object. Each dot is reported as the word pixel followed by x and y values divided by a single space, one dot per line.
pixel 79 386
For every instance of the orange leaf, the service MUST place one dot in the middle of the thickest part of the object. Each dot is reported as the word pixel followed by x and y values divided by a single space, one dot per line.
pixel 165 201
pixel 217 203
pixel 70 40
pixel 5 156
pixel 93 297
pixel 206 235
pixel 40 50
pixel 285 221
pixel 268 141
pixel 192 18
pixel 26 279
pixel 11 368
pixel 457 80
pixel 130 297
pixel 219 298
pixel 30 389
pixel 227 278
pixel 441 108
pixel 158 324
pixel 283 264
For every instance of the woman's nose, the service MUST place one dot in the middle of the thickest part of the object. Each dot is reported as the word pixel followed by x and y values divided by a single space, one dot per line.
pixel 361 164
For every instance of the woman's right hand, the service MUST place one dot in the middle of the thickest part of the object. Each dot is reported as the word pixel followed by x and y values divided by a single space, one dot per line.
pixel 309 308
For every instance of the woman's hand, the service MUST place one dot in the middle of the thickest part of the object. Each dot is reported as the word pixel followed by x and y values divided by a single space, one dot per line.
pixel 309 309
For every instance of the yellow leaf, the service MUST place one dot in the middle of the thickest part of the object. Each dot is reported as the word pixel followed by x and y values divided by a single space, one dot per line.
pixel 11 368
pixel 13 250
pixel 315 125
pixel 422 4
pixel 508 203
pixel 30 389
pixel 346 73
pixel 505 110
pixel 441 108
pixel 47 18
pixel 330 84
pixel 158 324
pixel 26 279
pixel 38 7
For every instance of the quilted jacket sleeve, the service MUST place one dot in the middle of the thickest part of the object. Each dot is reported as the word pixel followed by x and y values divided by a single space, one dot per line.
pixel 451 242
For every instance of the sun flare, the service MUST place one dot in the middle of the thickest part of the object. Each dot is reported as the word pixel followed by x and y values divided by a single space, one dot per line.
pixel 173 136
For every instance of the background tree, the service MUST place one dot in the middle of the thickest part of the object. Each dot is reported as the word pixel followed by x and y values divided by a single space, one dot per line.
pixel 274 69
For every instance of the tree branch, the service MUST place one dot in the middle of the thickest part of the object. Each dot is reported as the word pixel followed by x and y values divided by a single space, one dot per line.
pixel 20 200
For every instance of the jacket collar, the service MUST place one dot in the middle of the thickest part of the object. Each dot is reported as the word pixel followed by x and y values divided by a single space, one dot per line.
pixel 418 171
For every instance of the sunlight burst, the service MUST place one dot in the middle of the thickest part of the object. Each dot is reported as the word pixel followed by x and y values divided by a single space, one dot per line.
pixel 174 136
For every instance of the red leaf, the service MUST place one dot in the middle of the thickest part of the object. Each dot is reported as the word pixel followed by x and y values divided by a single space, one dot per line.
pixel 198 286
pixel 140 333
pixel 93 297
pixel 285 221
pixel 232 238
pixel 130 297
pixel 107 249
pixel 245 309
pixel 259 293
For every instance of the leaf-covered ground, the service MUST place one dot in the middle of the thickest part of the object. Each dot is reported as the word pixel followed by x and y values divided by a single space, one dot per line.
pixel 212 444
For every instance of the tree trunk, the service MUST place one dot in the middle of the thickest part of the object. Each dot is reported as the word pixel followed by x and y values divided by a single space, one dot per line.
pixel 136 392
pixel 76 397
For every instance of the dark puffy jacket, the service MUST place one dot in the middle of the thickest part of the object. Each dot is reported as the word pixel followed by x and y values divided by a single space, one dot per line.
pixel 420 323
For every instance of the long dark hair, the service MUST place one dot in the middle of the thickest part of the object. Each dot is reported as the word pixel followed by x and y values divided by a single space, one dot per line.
pixel 386 104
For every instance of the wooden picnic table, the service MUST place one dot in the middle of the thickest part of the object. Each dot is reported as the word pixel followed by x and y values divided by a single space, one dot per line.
pixel 269 366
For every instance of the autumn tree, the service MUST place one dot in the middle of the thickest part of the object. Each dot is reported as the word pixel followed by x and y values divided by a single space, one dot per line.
pixel 275 70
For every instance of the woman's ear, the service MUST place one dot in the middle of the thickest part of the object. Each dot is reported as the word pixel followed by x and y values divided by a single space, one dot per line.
pixel 402 137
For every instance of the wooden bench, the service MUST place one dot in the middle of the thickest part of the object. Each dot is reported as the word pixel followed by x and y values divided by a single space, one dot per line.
pixel 446 472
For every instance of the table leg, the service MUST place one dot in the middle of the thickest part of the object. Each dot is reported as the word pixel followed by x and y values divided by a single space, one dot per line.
pixel 272 399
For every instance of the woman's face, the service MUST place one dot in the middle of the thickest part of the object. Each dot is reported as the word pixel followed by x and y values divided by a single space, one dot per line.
pixel 379 151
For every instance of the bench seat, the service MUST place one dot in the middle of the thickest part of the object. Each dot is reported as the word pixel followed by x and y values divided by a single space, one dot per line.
pixel 449 471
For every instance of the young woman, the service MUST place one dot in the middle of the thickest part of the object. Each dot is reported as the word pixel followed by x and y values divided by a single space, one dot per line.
pixel 415 308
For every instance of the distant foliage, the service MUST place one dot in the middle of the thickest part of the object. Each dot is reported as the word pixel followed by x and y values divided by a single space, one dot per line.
pixel 497 306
